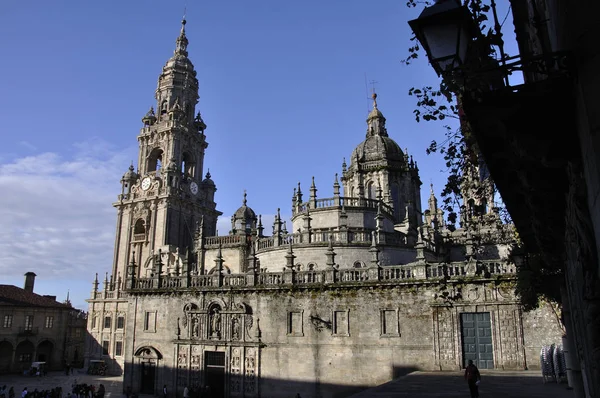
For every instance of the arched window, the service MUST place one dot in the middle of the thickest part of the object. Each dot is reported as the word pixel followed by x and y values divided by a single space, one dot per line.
pixel 357 264
pixel 164 107
pixel 371 194
pixel 471 208
pixel 351 192
pixel 484 206
pixel 155 160
pixel 187 165
pixel 311 266
pixel 139 227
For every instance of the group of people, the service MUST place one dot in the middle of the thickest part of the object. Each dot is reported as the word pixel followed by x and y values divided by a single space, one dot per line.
pixel 52 393
pixel 87 391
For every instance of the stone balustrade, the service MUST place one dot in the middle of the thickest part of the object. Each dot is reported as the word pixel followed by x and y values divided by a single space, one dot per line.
pixel 322 237
pixel 338 202
pixel 224 240
pixel 314 278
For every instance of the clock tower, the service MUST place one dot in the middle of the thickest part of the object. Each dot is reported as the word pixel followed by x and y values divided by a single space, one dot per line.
pixel 161 205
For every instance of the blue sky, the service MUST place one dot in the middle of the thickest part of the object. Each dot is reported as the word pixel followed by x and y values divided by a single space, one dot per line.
pixel 282 90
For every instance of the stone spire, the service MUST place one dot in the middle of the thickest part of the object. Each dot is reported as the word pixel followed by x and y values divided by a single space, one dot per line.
pixel 376 121
pixel 432 201
pixel 182 41
pixel 177 84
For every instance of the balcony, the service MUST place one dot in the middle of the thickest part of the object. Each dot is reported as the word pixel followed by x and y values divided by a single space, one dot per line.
pixel 25 331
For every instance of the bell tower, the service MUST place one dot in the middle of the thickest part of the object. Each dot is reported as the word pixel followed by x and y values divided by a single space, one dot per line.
pixel 162 203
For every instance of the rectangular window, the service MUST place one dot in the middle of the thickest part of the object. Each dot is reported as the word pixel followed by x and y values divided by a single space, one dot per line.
pixel 340 323
pixel 294 327
pixel 94 322
pixel 389 323
pixel 77 332
pixel 29 322
pixel 8 319
pixel 120 322
pixel 107 322
pixel 105 347
pixel 150 321
pixel 118 348
pixel 49 322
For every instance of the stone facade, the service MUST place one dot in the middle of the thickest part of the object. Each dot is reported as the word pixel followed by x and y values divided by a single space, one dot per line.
pixel 364 287
pixel 35 328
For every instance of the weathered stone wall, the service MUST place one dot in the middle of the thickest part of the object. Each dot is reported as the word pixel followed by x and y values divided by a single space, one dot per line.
pixel 332 340
pixel 542 327
pixel 345 256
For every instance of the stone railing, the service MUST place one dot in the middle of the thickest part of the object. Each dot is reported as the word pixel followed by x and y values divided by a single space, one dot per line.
pixel 323 236
pixel 338 201
pixel 224 240
pixel 388 274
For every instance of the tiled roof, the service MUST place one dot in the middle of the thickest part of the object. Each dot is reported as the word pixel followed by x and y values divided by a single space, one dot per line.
pixel 15 296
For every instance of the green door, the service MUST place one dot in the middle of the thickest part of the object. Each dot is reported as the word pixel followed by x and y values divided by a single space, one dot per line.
pixel 476 331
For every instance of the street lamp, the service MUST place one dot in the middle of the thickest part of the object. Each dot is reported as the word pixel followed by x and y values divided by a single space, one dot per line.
pixel 444 30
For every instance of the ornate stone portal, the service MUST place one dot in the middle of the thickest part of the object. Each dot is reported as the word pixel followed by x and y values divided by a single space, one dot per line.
pixel 212 328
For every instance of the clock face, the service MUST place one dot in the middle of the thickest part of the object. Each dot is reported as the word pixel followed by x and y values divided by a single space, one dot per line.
pixel 193 188
pixel 146 182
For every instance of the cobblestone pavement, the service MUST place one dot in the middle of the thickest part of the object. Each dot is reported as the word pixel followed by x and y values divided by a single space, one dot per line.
pixel 416 384
pixel 494 384
pixel 112 384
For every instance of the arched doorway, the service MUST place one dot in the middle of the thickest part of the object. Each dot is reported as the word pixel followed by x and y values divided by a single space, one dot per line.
pixel 44 352
pixel 148 358
pixel 6 352
pixel 24 355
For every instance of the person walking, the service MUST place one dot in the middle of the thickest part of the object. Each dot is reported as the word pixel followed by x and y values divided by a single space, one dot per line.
pixel 186 392
pixel 165 392
pixel 473 378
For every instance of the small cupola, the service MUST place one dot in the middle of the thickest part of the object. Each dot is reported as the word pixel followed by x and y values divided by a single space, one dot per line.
pixel 150 118
pixel 244 219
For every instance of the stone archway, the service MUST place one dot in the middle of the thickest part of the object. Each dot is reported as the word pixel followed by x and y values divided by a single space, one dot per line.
pixel 45 349
pixel 147 359
pixel 6 353
pixel 24 355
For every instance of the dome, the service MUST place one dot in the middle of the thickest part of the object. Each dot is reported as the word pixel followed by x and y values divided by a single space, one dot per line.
pixel 244 212
pixel 375 113
pixel 207 180
pixel 130 175
pixel 377 147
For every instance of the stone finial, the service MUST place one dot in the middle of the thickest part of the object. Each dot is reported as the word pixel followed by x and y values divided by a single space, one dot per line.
pixel 330 253
pixel 374 250
pixel 344 165
pixel 245 199
pixel 374 96
pixel 336 186
pixel 182 41
pixel 289 257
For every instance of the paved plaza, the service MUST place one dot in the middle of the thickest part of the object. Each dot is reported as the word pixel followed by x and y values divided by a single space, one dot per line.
pixel 495 384
pixel 112 384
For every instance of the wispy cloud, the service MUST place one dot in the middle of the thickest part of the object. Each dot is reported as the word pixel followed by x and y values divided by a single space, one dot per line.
pixel 57 218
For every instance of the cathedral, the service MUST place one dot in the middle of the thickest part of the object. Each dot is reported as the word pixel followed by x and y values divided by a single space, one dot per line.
pixel 366 284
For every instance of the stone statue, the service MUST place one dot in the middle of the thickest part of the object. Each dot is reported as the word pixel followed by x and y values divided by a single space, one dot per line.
pixel 235 328
pixel 216 322
pixel 194 327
